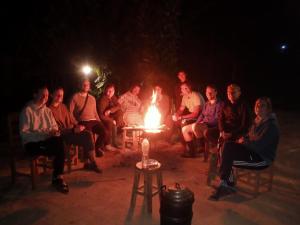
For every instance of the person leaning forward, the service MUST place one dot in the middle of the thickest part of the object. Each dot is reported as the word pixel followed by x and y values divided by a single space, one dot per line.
pixel 109 111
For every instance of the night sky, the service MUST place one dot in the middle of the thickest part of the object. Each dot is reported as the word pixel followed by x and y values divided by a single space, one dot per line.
pixel 252 43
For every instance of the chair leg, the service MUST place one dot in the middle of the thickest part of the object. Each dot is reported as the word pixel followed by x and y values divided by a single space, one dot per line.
pixel 135 187
pixel 135 140
pixel 148 192
pixel 33 168
pixel 69 160
pixel 206 150
pixel 124 139
pixel 76 155
pixel 159 183
pixel 271 173
pixel 257 183
pixel 236 176
pixel 44 164
pixel 13 170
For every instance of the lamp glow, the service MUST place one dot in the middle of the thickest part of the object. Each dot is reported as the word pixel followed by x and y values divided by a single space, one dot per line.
pixel 86 70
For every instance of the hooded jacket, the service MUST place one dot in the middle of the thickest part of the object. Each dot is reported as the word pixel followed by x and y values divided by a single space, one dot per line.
pixel 263 138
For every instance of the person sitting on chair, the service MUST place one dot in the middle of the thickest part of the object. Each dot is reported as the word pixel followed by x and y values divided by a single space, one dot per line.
pixel 131 106
pixel 71 131
pixel 256 150
pixel 83 109
pixel 235 117
pixel 188 112
pixel 192 103
pixel 206 126
pixel 109 111
pixel 40 135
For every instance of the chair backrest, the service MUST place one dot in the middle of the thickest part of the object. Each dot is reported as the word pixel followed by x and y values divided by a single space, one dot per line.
pixel 14 137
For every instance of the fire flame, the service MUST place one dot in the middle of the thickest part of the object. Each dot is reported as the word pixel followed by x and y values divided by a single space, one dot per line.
pixel 153 116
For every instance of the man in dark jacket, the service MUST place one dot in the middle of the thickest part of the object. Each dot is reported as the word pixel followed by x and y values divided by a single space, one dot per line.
pixel 257 149
pixel 235 117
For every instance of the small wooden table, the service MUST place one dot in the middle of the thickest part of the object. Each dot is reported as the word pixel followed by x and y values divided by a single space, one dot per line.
pixel 134 138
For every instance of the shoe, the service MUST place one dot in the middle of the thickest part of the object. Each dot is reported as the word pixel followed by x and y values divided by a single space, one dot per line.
pixel 60 185
pixel 99 152
pixel 222 191
pixel 92 166
pixel 110 148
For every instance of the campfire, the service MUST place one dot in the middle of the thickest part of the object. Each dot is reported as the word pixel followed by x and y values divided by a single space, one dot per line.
pixel 152 117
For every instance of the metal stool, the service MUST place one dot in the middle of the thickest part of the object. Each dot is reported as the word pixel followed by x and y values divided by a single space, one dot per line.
pixel 147 189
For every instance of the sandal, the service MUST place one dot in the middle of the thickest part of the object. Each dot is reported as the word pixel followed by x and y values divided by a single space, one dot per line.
pixel 60 185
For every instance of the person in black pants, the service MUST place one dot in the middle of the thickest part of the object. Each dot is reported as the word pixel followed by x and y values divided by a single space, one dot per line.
pixel 256 150
pixel 40 135
pixel 83 109
pixel 71 132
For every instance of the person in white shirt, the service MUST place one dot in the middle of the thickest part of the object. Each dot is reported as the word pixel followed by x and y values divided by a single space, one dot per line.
pixel 40 135
pixel 131 106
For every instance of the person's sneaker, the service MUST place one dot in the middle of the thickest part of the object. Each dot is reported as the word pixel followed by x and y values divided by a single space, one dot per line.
pixel 99 152
pixel 222 191
pixel 60 185
pixel 92 166
pixel 110 148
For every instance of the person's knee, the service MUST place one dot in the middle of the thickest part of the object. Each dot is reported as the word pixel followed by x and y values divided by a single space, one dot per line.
pixel 206 134
pixel 185 130
pixel 197 131
pixel 229 148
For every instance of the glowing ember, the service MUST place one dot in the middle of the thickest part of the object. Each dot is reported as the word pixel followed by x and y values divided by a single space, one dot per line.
pixel 152 117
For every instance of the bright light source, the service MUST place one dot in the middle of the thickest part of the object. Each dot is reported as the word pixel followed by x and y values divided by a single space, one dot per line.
pixel 284 47
pixel 86 70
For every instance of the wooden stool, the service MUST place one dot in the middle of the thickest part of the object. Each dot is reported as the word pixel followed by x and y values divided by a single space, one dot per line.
pixel 72 156
pixel 255 179
pixel 147 189
pixel 133 139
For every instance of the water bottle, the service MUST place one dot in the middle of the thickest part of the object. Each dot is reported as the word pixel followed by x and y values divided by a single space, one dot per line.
pixel 145 152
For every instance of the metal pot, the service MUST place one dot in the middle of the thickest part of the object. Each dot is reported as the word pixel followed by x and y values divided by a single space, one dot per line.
pixel 176 205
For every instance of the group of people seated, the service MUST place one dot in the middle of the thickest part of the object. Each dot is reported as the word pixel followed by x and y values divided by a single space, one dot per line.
pixel 94 125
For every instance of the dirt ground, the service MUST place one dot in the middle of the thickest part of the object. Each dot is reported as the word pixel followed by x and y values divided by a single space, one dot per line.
pixel 105 198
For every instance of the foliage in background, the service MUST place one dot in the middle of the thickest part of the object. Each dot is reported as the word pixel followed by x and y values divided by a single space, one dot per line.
pixel 102 75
